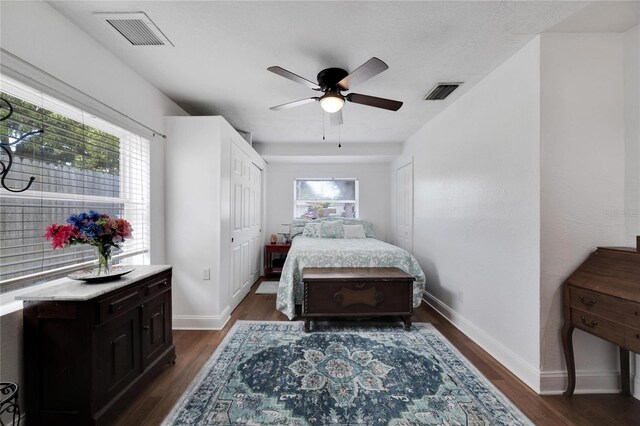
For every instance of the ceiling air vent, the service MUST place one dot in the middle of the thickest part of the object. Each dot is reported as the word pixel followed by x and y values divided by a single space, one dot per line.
pixel 441 91
pixel 136 27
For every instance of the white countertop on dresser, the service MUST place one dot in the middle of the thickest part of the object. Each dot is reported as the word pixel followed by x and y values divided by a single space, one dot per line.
pixel 66 289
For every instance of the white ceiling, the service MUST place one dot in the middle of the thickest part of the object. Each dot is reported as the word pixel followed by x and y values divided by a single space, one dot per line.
pixel 222 50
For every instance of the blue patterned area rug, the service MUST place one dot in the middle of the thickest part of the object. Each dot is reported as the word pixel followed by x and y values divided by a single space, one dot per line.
pixel 273 373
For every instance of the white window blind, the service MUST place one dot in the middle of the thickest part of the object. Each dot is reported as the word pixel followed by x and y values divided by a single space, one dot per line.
pixel 316 198
pixel 80 163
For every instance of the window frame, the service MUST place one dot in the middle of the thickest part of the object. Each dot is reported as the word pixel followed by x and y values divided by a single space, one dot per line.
pixel 141 252
pixel 355 201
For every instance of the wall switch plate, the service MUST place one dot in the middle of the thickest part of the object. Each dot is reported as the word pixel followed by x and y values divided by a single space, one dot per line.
pixel 206 274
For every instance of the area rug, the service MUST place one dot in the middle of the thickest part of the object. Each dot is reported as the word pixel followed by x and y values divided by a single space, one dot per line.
pixel 268 287
pixel 273 373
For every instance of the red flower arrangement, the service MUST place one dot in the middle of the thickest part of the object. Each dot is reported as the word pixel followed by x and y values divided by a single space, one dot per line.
pixel 93 228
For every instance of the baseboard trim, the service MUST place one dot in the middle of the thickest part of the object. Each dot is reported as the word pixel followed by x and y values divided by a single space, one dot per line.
pixel 523 370
pixel 555 382
pixel 202 322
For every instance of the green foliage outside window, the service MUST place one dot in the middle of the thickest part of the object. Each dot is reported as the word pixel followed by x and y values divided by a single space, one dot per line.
pixel 65 141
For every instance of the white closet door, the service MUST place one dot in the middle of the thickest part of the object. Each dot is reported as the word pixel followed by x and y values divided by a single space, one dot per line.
pixel 246 224
pixel 256 223
pixel 404 207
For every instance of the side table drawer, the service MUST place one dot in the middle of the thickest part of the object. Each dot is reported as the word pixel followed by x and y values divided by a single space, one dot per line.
pixel 358 298
pixel 601 305
pixel 598 326
pixel 632 339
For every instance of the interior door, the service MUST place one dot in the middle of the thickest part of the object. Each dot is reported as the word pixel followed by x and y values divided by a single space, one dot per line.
pixel 255 244
pixel 246 224
pixel 404 207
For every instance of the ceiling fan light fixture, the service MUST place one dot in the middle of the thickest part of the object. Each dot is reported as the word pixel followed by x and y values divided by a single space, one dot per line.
pixel 332 102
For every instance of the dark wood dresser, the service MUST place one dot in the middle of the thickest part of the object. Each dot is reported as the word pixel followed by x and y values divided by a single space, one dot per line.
pixel 602 297
pixel 89 347
pixel 356 292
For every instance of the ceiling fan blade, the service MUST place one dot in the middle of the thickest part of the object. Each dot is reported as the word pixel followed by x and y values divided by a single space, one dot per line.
pixel 293 77
pixel 373 101
pixel 336 118
pixel 294 104
pixel 364 72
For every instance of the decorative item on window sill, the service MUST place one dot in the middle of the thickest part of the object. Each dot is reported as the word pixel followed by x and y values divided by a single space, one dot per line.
pixel 96 229
pixel 5 168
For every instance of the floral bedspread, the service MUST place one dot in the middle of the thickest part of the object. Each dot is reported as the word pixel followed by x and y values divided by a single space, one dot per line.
pixel 337 252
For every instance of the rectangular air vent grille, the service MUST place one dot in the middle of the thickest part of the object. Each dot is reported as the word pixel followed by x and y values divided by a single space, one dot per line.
pixel 441 91
pixel 137 28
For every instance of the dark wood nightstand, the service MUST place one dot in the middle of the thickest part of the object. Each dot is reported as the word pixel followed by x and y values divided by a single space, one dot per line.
pixel 273 265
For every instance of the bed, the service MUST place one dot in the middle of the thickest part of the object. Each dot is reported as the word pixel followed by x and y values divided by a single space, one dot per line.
pixel 321 252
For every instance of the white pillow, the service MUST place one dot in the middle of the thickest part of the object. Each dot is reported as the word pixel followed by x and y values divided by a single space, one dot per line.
pixel 312 230
pixel 353 231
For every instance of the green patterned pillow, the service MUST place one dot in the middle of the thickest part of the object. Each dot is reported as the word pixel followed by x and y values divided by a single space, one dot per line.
pixel 312 230
pixel 332 229
pixel 368 227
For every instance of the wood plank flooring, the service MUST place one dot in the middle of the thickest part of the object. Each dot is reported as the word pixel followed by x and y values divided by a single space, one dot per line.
pixel 195 347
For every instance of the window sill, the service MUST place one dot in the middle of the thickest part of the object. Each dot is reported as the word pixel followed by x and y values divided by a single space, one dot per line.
pixel 8 302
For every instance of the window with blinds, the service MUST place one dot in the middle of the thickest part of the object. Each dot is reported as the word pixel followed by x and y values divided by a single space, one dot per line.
pixel 80 163
pixel 315 198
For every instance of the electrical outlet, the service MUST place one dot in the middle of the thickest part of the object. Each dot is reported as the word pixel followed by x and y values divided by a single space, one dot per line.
pixel 206 274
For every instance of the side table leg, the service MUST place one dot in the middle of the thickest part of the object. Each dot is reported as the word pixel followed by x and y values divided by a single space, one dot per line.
pixel 567 345
pixel 625 379
pixel 307 326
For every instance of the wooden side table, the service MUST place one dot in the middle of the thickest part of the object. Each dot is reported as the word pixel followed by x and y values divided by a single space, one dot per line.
pixel 269 251
pixel 602 298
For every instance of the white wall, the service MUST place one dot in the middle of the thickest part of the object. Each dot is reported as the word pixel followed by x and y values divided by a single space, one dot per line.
pixel 476 212
pixel 632 133
pixel 36 33
pixel 374 191
pixel 583 188
pixel 632 144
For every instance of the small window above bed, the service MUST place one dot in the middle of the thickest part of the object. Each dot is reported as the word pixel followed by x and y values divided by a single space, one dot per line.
pixel 316 198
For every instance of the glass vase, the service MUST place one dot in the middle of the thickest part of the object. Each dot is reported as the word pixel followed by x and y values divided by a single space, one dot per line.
pixel 104 259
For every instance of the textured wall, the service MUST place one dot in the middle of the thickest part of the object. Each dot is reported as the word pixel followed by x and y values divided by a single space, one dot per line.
pixel 476 211
pixel 583 186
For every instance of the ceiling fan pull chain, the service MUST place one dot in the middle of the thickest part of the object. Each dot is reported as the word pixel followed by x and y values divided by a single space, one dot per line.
pixel 339 138
pixel 323 118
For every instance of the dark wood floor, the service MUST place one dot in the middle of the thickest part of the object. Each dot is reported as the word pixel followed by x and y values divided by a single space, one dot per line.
pixel 195 347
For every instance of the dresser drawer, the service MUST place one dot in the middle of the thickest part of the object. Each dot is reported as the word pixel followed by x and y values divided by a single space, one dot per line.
pixel 358 298
pixel 119 303
pixel 156 286
pixel 604 306
pixel 598 326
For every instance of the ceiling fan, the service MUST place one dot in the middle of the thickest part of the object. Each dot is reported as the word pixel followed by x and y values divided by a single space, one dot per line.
pixel 333 81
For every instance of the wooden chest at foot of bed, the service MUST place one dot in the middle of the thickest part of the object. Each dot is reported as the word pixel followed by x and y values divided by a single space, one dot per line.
pixel 356 292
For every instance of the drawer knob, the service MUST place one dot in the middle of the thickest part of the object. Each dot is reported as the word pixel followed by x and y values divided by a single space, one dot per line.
pixel 591 323
pixel 586 302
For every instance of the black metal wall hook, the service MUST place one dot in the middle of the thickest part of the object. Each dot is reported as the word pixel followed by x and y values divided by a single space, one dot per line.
pixel 9 107
pixel 5 168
